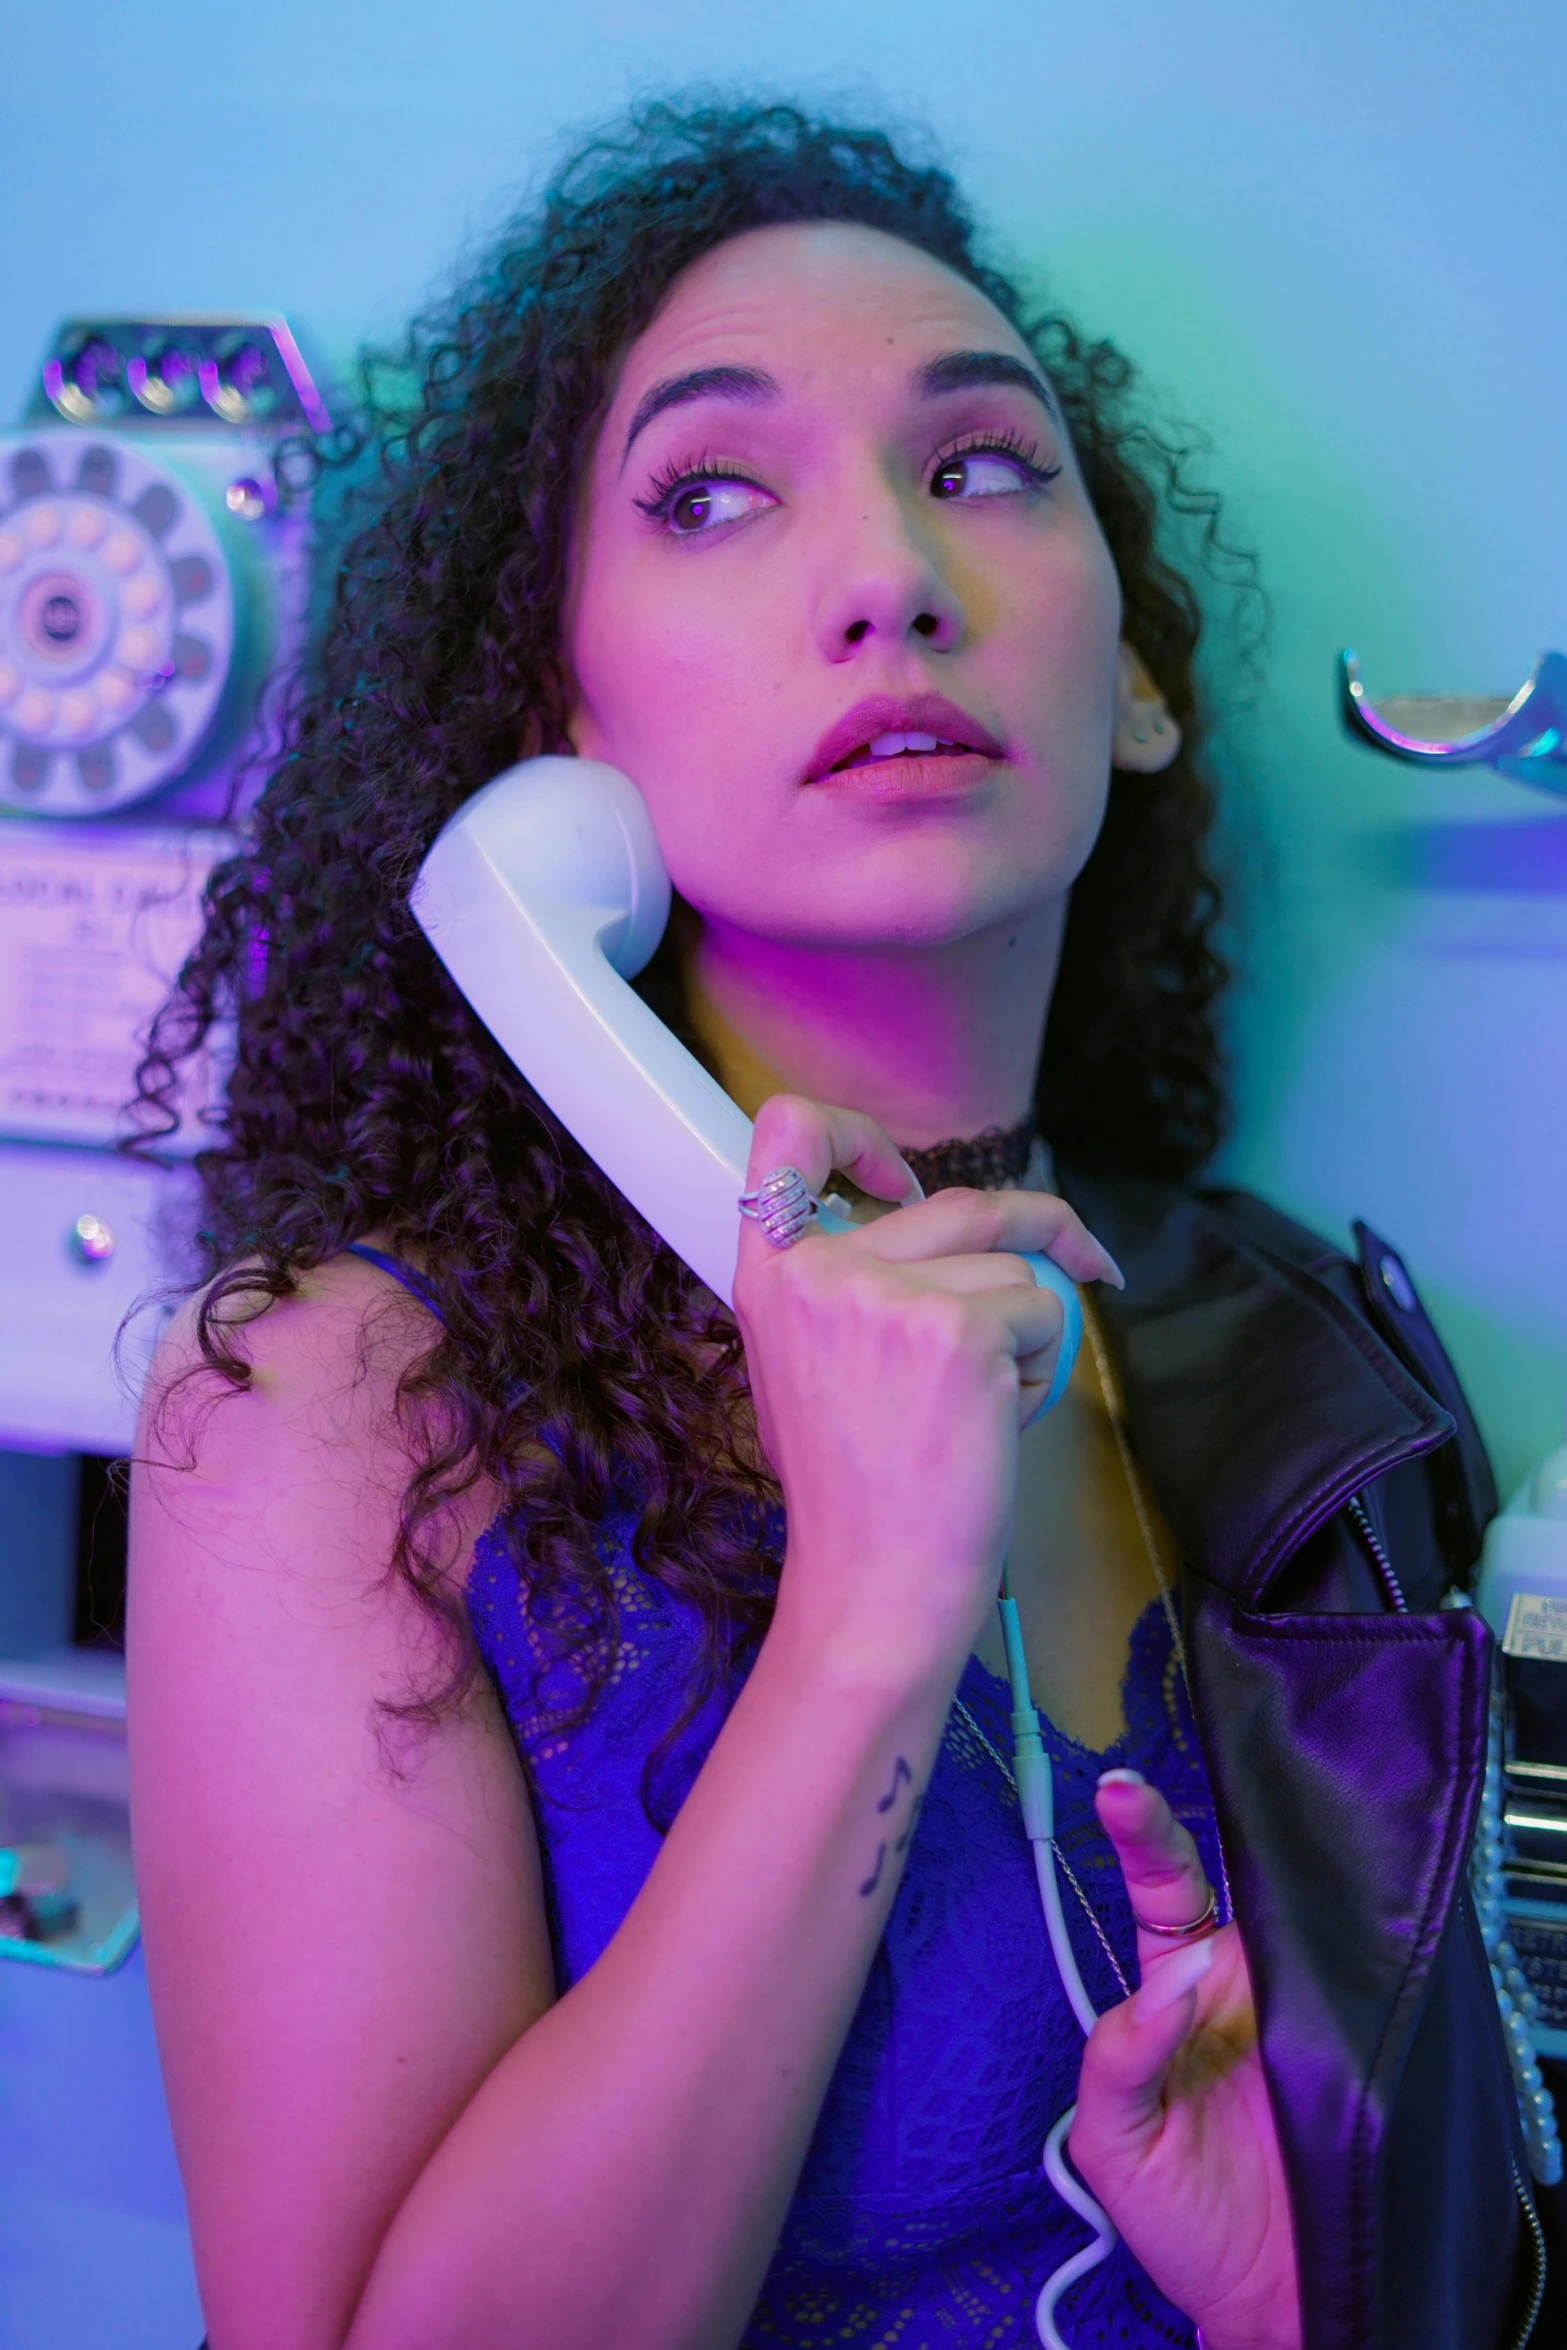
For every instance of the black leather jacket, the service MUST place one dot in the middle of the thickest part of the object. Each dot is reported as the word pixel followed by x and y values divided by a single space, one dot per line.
pixel 1312 1450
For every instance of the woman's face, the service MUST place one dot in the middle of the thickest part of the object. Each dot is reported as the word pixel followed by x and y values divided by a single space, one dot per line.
pixel 840 605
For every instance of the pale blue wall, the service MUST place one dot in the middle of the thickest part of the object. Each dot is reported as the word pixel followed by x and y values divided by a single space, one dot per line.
pixel 1334 234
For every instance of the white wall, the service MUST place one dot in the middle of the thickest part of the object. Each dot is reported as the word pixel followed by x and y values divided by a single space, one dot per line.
pixel 1332 234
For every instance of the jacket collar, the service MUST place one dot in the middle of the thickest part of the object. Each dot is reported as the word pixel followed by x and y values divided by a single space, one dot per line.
pixel 1257 1400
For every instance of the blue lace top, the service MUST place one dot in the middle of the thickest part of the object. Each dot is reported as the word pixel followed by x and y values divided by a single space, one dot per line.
pixel 922 2216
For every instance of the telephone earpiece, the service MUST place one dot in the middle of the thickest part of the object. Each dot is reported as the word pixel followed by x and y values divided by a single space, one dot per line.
pixel 543 896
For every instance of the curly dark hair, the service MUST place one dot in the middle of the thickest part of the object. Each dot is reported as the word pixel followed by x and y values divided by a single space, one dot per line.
pixel 578 1362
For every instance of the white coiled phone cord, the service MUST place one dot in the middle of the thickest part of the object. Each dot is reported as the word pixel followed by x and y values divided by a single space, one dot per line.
pixel 1031 1768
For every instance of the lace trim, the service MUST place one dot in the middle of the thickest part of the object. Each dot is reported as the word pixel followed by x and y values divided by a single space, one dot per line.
pixel 985 1162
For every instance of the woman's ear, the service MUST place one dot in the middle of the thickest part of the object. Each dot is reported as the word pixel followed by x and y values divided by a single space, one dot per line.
pixel 1146 737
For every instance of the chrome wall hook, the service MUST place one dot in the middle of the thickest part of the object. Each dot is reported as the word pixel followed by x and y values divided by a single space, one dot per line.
pixel 1525 738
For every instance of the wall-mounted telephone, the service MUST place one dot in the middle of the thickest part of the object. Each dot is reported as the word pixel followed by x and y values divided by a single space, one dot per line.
pixel 155 536
pixel 544 896
pixel 155 532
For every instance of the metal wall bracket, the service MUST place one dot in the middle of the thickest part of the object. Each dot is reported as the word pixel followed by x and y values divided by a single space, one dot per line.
pixel 1525 738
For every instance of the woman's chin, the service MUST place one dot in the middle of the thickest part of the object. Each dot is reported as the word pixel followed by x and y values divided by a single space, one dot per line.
pixel 908 913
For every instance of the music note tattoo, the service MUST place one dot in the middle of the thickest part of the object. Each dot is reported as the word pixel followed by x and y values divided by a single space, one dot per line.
pixel 902 1776
pixel 874 1879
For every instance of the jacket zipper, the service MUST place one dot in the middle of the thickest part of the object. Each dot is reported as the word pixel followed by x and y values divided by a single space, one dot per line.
pixel 1356 1510
pixel 1537 2238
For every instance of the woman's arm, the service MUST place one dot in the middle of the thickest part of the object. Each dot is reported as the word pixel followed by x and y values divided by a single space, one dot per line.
pixel 344 1934
pixel 622 2175
pixel 389 2135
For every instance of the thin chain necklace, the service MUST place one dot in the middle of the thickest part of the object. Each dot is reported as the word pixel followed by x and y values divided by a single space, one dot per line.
pixel 1110 1390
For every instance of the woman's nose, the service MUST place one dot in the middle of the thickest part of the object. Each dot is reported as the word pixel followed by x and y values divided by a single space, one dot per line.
pixel 887 590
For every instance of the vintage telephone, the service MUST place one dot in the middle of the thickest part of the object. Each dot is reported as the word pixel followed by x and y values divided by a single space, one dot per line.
pixel 155 534
pixel 544 896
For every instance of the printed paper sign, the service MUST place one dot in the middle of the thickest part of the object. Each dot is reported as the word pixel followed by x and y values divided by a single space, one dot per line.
pixel 95 922
pixel 1536 1626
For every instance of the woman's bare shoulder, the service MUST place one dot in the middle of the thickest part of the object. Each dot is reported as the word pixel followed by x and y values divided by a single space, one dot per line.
pixel 250 1394
pixel 343 1330
pixel 343 1309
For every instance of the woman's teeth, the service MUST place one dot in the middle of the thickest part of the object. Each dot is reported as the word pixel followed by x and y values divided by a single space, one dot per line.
pixel 887 746
pixel 906 741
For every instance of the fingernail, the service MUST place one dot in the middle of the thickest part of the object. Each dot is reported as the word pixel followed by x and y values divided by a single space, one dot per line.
pixel 1168 1979
pixel 1110 1270
pixel 1124 1777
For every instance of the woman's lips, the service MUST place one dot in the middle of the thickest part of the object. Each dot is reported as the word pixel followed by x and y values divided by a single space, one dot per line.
pixel 888 737
pixel 949 771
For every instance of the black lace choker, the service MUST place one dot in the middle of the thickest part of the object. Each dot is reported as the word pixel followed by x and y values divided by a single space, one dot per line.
pixel 985 1162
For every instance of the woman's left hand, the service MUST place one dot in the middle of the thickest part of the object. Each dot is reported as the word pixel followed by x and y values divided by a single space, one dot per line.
pixel 1174 2132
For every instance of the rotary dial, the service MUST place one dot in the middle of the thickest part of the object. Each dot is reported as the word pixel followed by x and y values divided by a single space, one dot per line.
pixel 116 626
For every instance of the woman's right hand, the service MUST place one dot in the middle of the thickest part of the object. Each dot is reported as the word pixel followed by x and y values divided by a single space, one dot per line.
pixel 891 1370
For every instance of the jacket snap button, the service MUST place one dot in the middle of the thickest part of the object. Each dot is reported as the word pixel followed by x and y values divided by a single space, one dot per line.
pixel 1396 1282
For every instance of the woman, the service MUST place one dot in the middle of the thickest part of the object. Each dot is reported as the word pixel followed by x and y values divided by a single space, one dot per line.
pixel 679 1978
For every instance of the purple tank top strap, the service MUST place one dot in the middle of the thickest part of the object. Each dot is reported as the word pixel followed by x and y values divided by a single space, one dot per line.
pixel 410 1280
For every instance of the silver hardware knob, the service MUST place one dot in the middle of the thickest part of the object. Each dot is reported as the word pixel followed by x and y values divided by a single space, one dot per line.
pixel 249 500
pixel 1397 1283
pixel 90 1240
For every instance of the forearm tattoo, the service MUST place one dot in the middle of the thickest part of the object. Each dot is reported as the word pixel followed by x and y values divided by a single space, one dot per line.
pixel 902 1777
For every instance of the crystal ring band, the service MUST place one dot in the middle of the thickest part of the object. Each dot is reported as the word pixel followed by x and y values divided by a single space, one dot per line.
pixel 781 1204
pixel 1207 1917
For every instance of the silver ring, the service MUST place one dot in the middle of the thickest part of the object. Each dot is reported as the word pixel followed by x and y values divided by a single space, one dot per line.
pixel 1207 1918
pixel 781 1204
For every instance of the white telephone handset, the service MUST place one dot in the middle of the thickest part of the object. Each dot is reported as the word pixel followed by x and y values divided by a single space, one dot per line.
pixel 544 895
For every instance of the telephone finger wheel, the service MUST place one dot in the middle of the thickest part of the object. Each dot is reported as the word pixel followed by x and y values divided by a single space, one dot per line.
pixel 117 625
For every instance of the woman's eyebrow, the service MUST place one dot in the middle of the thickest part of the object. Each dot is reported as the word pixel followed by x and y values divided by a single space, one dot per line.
pixel 727 383
pixel 960 371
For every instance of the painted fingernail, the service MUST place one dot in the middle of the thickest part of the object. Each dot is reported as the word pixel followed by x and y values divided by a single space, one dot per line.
pixel 1166 1980
pixel 1124 1777
pixel 1112 1271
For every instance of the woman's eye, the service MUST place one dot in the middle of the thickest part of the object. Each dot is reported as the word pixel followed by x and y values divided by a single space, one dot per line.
pixel 985 473
pixel 704 505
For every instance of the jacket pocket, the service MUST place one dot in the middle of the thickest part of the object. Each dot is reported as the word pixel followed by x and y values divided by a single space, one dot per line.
pixel 1346 1755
